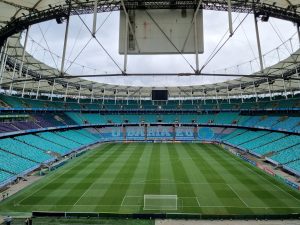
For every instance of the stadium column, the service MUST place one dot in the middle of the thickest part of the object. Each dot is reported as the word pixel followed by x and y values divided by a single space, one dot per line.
pixel 127 97
pixel 216 92
pixel 38 88
pixel 146 131
pixel 196 132
pixel 92 94
pixel 126 42
pixel 174 133
pixel 228 96
pixel 95 18
pixel 13 77
pixel 298 31
pixel 230 18
pixel 254 85
pixel 284 87
pixel 124 132
pixel 66 92
pixel 241 89
pixel 65 42
pixel 270 93
pixel 3 60
pixel 23 52
pixel 196 36
pixel 51 97
pixel 258 41
pixel 24 84
pixel 79 93
pixel 298 76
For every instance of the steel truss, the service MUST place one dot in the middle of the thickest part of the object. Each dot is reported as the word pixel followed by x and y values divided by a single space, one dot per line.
pixel 242 6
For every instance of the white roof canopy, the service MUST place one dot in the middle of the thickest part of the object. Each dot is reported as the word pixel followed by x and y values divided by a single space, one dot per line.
pixel 16 15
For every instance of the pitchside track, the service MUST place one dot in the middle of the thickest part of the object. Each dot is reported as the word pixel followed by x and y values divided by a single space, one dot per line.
pixel 115 178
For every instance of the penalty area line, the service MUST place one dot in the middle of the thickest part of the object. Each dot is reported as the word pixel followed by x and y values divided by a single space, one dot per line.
pixel 238 196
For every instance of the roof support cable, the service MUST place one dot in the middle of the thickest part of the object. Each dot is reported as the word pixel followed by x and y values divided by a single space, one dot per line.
pixel 166 36
pixel 279 36
pixel 48 47
pixel 75 42
pixel 215 49
pixel 74 60
pixel 249 43
pixel 216 52
pixel 96 39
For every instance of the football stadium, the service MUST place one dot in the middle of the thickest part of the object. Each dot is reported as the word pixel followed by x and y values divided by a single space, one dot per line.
pixel 150 112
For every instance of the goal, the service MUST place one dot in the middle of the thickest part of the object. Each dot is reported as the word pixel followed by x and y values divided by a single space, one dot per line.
pixel 160 202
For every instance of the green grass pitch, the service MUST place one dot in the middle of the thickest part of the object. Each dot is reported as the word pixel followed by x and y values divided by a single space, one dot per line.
pixel 114 178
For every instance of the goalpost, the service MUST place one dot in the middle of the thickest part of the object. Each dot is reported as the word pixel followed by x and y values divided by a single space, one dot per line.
pixel 160 202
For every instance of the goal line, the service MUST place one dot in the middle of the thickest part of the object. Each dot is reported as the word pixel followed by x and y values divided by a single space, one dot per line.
pixel 160 202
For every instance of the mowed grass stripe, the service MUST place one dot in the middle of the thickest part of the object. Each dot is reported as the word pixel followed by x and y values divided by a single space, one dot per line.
pixel 185 192
pixel 207 192
pixel 168 180
pixel 207 172
pixel 263 193
pixel 245 184
pixel 55 185
pixel 222 194
pixel 71 193
pixel 115 192
pixel 133 198
pixel 231 175
pixel 152 182
pixel 103 178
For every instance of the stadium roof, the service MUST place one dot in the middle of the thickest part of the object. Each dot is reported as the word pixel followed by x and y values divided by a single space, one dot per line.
pixel 15 16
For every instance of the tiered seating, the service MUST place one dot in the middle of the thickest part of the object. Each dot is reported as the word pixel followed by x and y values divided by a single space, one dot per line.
pixel 114 119
pixel 267 122
pixel 251 122
pixel 7 127
pixel 59 140
pixel 76 117
pixel 295 165
pixel 43 144
pixel 15 164
pixel 4 176
pixel 150 118
pixel 23 150
pixel 225 118
pixel 246 136
pixel 205 118
pixel 24 125
pixel 265 139
pixel 287 155
pixel 76 136
pixel 278 145
pixel 131 118
pixel 86 133
pixel 287 124
pixel 48 120
pixel 234 134
pixel 188 118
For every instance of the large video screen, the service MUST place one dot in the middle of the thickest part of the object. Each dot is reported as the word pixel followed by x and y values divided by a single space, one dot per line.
pixel 159 95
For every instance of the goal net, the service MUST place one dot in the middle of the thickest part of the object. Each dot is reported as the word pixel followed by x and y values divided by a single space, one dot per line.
pixel 160 202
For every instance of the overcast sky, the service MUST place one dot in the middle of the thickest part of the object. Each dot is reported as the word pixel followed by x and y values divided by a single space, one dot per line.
pixel 241 48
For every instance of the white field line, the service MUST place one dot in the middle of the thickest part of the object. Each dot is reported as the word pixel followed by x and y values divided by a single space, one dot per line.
pixel 198 202
pixel 253 171
pixel 123 200
pixel 190 206
pixel 238 196
pixel 84 193
pixel 50 181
